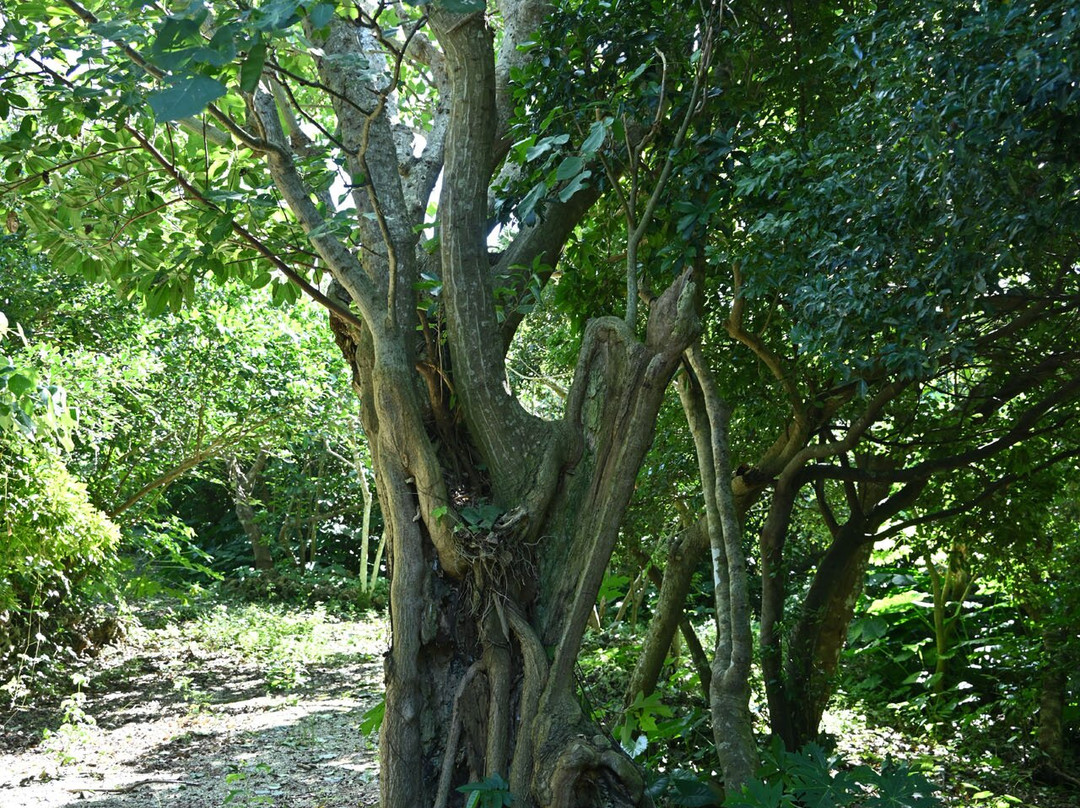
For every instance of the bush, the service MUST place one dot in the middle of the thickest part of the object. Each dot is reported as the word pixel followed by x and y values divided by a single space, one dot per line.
pixel 55 548
pixel 334 587
pixel 811 777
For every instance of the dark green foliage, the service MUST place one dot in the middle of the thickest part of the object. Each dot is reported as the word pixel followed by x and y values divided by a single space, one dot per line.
pixel 812 778
pixel 946 183
pixel 336 588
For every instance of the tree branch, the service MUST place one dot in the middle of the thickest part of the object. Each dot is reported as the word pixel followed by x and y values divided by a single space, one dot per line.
pixel 1022 428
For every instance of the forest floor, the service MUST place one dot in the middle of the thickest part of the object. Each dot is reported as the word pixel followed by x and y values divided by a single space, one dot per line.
pixel 204 715
pixel 243 705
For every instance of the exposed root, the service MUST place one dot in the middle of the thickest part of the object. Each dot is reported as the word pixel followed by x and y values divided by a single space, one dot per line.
pixel 450 753
pixel 593 774
pixel 534 676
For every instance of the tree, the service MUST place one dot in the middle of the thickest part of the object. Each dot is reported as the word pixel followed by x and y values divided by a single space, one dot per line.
pixel 499 523
pixel 903 267
pixel 933 281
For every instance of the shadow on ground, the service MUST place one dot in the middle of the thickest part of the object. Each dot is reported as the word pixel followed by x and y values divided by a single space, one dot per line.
pixel 167 723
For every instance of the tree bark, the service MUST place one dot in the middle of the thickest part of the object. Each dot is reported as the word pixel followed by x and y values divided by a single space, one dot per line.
pixel 243 483
pixel 1052 684
pixel 484 604
pixel 729 691
pixel 816 643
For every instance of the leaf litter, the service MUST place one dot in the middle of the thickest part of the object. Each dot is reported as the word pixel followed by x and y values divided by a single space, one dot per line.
pixel 170 718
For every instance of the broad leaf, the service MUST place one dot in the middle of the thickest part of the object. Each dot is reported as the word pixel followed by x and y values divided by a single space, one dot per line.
pixel 570 167
pixel 251 69
pixel 188 97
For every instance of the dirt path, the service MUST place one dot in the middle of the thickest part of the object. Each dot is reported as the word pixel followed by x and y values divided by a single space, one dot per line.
pixel 165 721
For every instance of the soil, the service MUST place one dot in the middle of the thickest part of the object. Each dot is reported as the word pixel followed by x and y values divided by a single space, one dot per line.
pixel 165 722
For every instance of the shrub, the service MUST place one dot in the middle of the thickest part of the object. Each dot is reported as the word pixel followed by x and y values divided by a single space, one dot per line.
pixel 811 777
pixel 55 547
pixel 335 587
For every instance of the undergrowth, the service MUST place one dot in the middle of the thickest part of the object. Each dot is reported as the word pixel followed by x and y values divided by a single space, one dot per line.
pixel 282 641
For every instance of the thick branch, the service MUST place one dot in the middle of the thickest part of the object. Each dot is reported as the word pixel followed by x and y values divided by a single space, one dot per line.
pixel 342 263
pixel 510 440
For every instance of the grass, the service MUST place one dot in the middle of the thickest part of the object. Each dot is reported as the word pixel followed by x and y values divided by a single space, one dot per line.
pixel 283 641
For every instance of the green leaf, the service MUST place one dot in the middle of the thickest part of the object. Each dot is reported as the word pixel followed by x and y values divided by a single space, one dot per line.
pixel 526 211
pixel 538 150
pixel 569 167
pixel 597 133
pixel 176 31
pixel 19 384
pixel 252 68
pixel 758 794
pixel 320 15
pixel 371 720
pixel 260 280
pixel 186 98
pixel 277 15
pixel 494 792
pixel 575 185
pixel 692 793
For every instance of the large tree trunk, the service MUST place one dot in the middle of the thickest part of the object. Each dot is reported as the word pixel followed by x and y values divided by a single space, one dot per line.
pixel 499 525
pixel 1052 688
pixel 470 689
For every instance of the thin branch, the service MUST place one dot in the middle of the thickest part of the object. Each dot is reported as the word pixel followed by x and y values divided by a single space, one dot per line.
pixel 638 230
pixel 854 432
pixel 376 206
pixel 245 235
pixel 228 438
pixel 971 503
pixel 1022 428
pixel 13 186
pixel 773 361
pixel 143 214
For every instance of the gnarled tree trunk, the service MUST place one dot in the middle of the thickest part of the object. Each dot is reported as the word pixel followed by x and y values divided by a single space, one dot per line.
pixel 471 689
pixel 499 525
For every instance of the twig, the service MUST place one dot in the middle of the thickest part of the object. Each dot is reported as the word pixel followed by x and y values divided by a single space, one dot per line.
pixel 128 788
